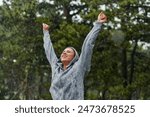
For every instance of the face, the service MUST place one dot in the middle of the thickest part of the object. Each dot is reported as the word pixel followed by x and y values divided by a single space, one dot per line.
pixel 67 55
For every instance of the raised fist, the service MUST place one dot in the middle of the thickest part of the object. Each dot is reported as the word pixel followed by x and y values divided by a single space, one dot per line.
pixel 102 17
pixel 45 26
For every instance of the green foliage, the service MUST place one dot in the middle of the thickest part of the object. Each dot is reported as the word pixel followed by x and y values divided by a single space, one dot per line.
pixel 120 67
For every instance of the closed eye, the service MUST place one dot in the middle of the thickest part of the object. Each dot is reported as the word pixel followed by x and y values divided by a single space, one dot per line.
pixel 68 51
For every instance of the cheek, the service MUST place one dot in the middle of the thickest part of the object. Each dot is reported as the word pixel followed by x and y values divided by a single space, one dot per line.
pixel 60 56
pixel 71 56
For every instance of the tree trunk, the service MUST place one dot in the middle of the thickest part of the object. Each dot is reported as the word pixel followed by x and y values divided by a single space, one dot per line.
pixel 124 67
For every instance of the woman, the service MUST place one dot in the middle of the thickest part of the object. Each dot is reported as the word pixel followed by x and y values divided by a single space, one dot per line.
pixel 69 71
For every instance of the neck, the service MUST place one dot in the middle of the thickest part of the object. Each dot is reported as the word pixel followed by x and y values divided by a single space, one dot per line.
pixel 65 65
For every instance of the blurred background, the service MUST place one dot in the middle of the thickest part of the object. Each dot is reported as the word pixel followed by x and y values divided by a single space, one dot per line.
pixel 121 56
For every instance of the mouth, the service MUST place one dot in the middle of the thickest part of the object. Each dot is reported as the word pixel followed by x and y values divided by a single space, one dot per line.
pixel 64 56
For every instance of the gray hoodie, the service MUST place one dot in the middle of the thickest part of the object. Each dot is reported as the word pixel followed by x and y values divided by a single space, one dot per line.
pixel 68 84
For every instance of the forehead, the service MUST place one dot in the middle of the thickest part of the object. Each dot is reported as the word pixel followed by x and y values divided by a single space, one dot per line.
pixel 69 49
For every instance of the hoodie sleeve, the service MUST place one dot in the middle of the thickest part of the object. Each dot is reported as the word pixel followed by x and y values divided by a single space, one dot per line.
pixel 49 50
pixel 87 48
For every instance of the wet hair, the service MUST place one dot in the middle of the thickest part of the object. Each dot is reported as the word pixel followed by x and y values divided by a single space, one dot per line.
pixel 73 50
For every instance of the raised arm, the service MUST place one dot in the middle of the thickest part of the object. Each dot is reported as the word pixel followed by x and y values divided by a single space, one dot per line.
pixel 87 49
pixel 49 50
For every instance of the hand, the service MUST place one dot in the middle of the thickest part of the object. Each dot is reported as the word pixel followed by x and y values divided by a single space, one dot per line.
pixel 45 26
pixel 102 17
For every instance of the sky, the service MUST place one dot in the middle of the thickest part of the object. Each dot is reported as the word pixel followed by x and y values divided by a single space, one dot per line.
pixel 1 2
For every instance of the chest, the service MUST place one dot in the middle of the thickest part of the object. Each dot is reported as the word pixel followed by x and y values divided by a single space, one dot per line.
pixel 62 77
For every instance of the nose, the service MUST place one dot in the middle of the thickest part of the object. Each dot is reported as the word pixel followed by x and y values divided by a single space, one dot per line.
pixel 64 52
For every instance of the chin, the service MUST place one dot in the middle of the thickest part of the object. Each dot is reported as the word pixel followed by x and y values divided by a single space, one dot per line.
pixel 63 60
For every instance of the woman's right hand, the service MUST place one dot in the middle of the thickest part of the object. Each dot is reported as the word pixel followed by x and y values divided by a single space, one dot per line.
pixel 45 26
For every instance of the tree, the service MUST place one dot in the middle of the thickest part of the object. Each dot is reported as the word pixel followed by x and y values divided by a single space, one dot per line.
pixel 120 66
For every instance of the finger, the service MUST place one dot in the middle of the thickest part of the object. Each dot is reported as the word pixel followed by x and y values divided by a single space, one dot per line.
pixel 44 25
pixel 104 16
pixel 102 13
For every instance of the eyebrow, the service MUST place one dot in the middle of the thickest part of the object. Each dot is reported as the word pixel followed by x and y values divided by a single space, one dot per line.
pixel 69 50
